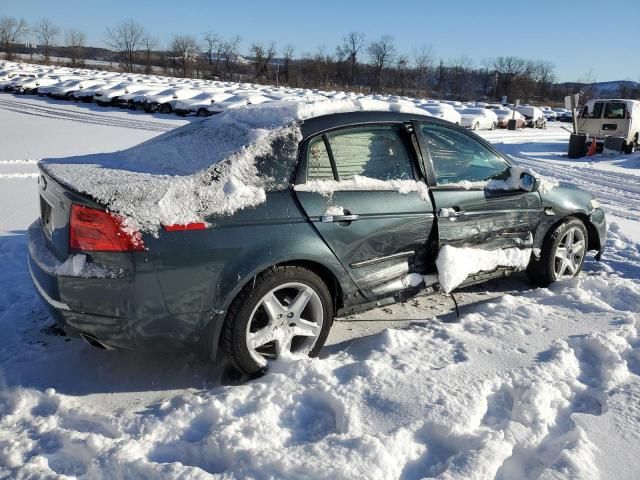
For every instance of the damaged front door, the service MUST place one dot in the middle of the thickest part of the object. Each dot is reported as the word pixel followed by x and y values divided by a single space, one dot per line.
pixel 469 214
pixel 361 189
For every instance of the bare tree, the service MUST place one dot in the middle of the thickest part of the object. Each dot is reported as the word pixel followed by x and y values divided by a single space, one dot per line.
pixel 509 70
pixel 125 39
pixel 46 33
pixel 288 56
pixel 185 53
pixel 230 55
pixel 211 45
pixel 545 76
pixel 423 59
pixel 262 58
pixel 148 43
pixel 351 46
pixel 381 53
pixel 76 41
pixel 459 72
pixel 11 32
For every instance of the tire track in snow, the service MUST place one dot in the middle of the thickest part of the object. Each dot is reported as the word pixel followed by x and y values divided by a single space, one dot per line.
pixel 89 117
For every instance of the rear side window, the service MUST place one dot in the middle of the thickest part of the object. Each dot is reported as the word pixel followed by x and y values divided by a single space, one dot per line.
pixel 615 111
pixel 374 152
pixel 596 113
pixel 457 157
pixel 318 161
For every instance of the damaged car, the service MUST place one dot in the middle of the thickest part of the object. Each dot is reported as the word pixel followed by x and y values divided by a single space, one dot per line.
pixel 247 233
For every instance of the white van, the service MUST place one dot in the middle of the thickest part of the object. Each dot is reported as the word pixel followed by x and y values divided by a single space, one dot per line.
pixel 608 117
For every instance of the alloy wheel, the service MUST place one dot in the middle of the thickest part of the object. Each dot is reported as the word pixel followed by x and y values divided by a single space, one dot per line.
pixel 570 253
pixel 289 318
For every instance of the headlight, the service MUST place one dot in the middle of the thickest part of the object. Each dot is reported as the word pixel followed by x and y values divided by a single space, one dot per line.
pixel 595 203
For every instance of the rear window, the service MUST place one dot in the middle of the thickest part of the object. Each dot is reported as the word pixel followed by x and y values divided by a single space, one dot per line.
pixel 615 111
pixel 595 113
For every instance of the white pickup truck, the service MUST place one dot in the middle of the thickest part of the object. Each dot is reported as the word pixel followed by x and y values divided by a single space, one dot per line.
pixel 612 117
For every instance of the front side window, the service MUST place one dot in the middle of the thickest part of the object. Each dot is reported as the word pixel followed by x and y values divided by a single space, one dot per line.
pixel 374 152
pixel 457 157
pixel 615 111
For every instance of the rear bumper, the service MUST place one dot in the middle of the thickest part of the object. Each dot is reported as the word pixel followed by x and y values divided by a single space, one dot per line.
pixel 121 309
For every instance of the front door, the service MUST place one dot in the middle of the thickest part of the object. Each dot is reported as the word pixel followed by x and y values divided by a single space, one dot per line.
pixel 468 214
pixel 362 191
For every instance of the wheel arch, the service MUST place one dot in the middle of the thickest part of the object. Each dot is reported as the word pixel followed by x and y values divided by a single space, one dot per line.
pixel 592 233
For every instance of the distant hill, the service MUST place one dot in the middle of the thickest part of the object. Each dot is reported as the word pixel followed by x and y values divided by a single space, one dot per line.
pixel 616 88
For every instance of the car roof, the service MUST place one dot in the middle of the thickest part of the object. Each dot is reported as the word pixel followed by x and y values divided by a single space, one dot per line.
pixel 316 125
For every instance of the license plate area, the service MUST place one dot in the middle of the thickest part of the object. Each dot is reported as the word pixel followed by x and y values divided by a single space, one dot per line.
pixel 45 216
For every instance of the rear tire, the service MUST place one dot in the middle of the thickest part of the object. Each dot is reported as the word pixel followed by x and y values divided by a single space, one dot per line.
pixel 633 146
pixel 255 317
pixel 203 112
pixel 165 108
pixel 562 254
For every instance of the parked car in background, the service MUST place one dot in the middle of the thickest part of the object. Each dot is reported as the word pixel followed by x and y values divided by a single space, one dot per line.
pixel 109 96
pixel 212 286
pixel 533 116
pixel 478 119
pixel 67 90
pixel 10 83
pixel 444 111
pixel 506 114
pixel 612 117
pixel 162 101
pixel 86 94
pixel 199 104
pixel 237 101
pixel 30 86
pixel 566 116
pixel 135 100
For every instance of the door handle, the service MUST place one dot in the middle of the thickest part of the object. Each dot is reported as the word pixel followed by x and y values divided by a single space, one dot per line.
pixel 339 218
pixel 449 212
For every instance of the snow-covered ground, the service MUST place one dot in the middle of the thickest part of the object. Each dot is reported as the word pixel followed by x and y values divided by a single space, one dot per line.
pixel 527 384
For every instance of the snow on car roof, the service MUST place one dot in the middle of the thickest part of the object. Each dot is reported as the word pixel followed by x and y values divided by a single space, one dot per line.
pixel 168 180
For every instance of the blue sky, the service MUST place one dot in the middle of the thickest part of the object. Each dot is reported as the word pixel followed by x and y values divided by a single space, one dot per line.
pixel 578 37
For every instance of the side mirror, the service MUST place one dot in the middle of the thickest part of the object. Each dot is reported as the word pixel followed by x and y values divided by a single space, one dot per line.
pixel 527 182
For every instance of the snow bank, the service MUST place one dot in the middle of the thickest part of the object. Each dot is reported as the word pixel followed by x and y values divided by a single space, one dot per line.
pixel 203 169
pixel 456 264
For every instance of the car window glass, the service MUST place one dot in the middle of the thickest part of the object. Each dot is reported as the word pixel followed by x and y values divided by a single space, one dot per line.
pixel 457 157
pixel 596 113
pixel 615 111
pixel 376 152
pixel 318 163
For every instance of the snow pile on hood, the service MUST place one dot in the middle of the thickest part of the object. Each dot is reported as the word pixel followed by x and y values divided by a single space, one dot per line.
pixel 515 181
pixel 202 169
pixel 456 264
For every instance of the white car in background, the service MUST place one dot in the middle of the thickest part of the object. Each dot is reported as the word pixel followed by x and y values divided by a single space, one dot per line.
pixel 478 119
pixel 47 89
pixel 199 104
pixel 506 114
pixel 86 94
pixel 534 116
pixel 135 100
pixel 109 96
pixel 67 90
pixel 161 102
pixel 237 101
pixel 29 86
pixel 444 111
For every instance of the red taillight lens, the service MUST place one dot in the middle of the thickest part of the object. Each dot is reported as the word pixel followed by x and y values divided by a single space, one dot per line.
pixel 185 227
pixel 93 230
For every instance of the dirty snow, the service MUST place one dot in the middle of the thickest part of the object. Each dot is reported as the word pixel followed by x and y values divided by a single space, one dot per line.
pixel 533 383
pixel 326 188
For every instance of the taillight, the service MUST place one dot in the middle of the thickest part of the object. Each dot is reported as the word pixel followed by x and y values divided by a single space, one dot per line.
pixel 93 230
pixel 185 227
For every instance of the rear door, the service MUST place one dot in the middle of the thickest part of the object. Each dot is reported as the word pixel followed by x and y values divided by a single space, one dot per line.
pixel 469 215
pixel 590 120
pixel 614 120
pixel 361 189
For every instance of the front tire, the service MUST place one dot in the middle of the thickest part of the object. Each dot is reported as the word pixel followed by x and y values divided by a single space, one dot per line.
pixel 165 108
pixel 287 309
pixel 562 255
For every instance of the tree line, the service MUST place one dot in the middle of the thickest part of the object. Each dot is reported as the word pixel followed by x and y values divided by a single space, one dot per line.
pixel 356 63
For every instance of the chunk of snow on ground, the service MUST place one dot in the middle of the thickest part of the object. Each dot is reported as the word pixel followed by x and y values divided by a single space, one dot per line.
pixel 456 264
